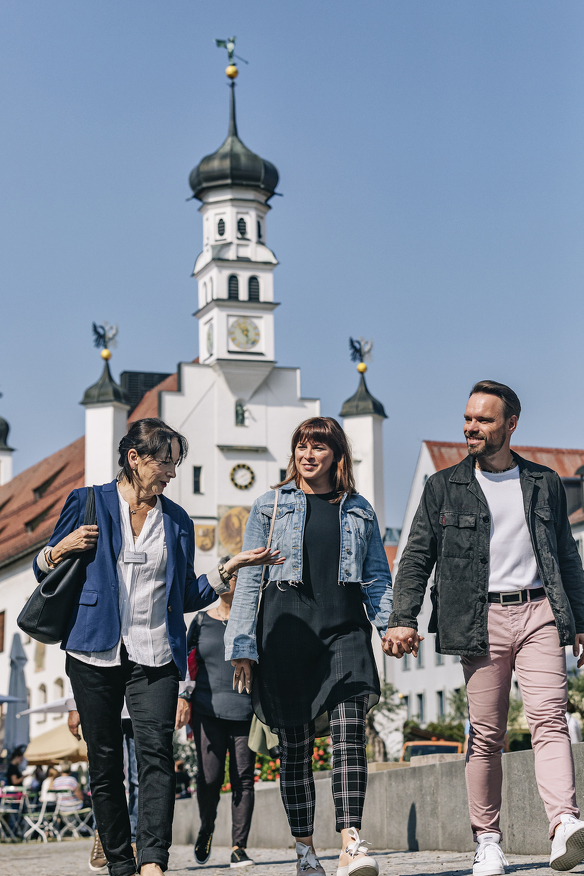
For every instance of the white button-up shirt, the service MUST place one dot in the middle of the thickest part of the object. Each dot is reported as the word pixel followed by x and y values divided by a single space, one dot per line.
pixel 141 595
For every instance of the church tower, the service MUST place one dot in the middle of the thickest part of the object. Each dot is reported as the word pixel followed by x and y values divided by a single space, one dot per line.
pixel 235 269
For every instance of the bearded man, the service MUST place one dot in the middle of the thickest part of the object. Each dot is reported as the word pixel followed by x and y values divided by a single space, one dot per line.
pixel 508 596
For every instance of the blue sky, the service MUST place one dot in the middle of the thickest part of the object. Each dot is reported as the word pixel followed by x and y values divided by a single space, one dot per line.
pixel 430 157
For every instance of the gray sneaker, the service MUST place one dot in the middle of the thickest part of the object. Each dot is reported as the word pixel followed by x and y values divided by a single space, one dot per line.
pixel 308 864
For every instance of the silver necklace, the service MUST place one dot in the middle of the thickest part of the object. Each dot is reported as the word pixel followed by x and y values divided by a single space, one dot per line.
pixel 222 617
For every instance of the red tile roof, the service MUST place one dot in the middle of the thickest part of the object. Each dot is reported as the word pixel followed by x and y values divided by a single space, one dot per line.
pixel 148 405
pixel 31 502
pixel 565 462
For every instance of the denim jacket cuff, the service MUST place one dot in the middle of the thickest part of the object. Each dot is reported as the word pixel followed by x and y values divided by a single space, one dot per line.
pixel 214 579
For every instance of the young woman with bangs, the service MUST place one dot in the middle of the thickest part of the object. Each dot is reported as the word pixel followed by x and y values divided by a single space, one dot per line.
pixel 310 642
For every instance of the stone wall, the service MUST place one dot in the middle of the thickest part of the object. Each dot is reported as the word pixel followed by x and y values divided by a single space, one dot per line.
pixel 416 808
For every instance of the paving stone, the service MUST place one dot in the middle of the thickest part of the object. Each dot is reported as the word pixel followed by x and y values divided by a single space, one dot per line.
pixel 70 857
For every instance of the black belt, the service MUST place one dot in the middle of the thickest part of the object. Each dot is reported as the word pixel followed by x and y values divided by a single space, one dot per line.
pixel 518 596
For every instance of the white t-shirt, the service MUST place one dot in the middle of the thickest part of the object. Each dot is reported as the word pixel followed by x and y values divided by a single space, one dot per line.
pixel 512 563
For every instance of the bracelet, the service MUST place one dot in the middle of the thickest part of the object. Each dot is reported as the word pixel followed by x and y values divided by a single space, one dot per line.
pixel 49 558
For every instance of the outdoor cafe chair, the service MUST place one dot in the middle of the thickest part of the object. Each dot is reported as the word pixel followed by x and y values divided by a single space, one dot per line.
pixel 12 801
pixel 73 821
pixel 39 820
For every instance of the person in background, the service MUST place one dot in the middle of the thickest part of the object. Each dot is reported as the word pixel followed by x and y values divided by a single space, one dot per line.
pixel 574 728
pixel 183 780
pixel 14 776
pixel 46 795
pixel 65 782
pixel 221 721
pixel 36 780
pixel 312 643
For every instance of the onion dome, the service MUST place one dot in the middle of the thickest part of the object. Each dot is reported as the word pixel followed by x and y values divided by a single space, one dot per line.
pixel 362 404
pixel 233 164
pixel 4 430
pixel 106 390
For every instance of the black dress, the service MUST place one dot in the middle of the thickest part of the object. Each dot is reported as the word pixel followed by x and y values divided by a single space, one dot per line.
pixel 314 639
pixel 213 694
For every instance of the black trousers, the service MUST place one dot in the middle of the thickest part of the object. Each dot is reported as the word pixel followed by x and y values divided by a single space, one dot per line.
pixel 214 737
pixel 151 695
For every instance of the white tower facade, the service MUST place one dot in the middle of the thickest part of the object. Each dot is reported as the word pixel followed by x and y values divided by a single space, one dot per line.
pixel 106 414
pixel 235 406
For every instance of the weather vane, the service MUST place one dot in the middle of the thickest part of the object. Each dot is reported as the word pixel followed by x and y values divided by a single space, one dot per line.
pixel 360 350
pixel 104 338
pixel 231 71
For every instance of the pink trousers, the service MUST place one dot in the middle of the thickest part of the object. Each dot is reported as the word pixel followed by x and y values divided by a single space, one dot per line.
pixel 523 638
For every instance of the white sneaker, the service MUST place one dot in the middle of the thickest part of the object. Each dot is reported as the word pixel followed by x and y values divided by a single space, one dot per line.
pixel 307 864
pixel 489 859
pixel 361 863
pixel 567 844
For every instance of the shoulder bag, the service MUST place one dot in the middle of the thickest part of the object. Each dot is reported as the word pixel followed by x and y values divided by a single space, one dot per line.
pixel 47 614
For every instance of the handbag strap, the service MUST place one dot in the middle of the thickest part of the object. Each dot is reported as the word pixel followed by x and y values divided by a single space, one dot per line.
pixel 90 518
pixel 269 545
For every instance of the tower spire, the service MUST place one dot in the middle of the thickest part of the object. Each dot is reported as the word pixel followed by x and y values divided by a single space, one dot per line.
pixel 232 119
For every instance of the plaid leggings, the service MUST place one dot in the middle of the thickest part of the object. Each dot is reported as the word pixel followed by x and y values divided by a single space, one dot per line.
pixel 349 773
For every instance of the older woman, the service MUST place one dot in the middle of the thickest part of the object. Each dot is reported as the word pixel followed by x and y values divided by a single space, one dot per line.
pixel 127 637
pixel 313 642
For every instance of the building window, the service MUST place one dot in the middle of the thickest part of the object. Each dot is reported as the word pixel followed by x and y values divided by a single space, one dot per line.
pixel 420 660
pixel 440 703
pixel 40 491
pixel 2 624
pixel 59 694
pixel 197 469
pixel 239 413
pixel 39 656
pixel 283 474
pixel 259 230
pixel 405 701
pixel 42 702
pixel 241 227
pixel 438 658
pixel 420 700
pixel 221 228
pixel 253 289
pixel 406 663
pixel 31 525
pixel 233 288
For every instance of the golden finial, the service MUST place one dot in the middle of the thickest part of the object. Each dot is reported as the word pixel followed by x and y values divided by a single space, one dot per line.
pixel 231 71
pixel 106 354
pixel 361 367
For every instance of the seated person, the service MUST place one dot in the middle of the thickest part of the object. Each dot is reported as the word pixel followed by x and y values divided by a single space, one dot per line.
pixel 65 782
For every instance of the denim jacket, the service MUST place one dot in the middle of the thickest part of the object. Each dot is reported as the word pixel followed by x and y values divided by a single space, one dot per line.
pixel 362 562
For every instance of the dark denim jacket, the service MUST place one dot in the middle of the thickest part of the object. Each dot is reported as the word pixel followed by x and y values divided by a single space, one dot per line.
pixel 451 530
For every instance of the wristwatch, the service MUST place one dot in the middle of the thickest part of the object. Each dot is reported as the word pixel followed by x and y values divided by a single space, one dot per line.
pixel 183 696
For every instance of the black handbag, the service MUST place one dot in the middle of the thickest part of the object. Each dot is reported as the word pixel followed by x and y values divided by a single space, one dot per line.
pixel 47 614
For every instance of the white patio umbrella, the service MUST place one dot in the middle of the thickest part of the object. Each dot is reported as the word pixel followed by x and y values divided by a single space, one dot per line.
pixel 57 706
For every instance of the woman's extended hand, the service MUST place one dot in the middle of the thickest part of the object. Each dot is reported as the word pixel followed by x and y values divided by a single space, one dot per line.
pixel 82 539
pixel 242 673
pixel 256 557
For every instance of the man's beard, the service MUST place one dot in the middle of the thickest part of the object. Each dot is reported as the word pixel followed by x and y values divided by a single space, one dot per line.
pixel 489 448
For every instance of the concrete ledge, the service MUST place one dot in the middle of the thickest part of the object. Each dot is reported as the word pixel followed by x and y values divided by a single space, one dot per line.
pixel 406 809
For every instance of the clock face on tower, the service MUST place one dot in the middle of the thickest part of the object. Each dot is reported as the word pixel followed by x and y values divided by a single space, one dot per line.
pixel 244 333
pixel 242 476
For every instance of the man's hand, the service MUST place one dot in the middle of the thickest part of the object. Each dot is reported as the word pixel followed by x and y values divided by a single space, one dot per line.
pixel 183 713
pixel 73 723
pixel 403 640
pixel 578 649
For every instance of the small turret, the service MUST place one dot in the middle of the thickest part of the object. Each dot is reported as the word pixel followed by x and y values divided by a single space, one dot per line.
pixel 5 453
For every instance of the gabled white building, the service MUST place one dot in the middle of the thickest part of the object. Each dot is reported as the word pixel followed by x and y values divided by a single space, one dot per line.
pixel 236 406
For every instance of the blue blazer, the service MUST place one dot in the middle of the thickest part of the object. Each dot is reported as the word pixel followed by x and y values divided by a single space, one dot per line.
pixel 95 622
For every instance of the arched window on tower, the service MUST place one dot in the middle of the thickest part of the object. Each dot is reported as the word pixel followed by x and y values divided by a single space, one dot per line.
pixel 259 230
pixel 221 228
pixel 253 289
pixel 241 227
pixel 42 702
pixel 233 287
pixel 210 298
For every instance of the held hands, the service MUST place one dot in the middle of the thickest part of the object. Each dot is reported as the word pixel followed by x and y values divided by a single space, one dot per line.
pixel 256 557
pixel 242 674
pixel 404 640
pixel 578 649
pixel 82 539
